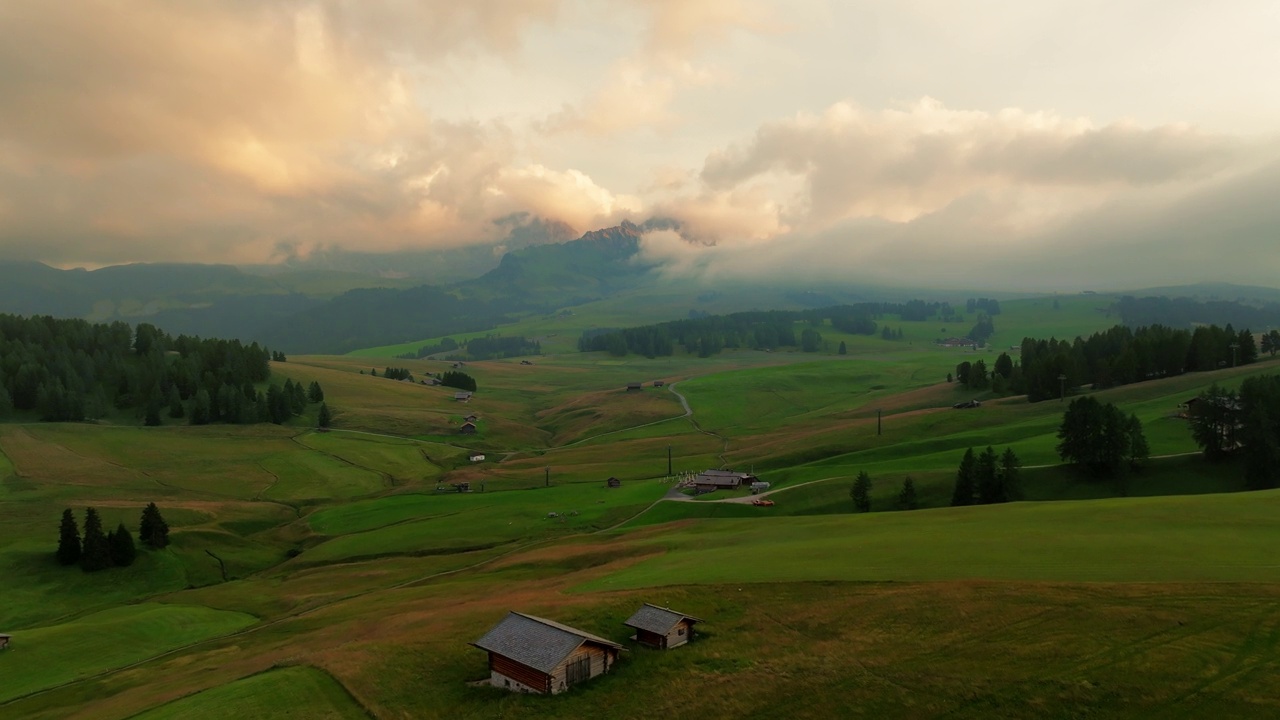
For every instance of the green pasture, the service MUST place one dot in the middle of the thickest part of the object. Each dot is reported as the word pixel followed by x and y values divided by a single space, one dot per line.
pixel 1199 538
pixel 290 692
pixel 44 657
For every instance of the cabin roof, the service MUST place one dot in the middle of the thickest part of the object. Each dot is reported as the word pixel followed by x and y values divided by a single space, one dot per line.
pixel 656 619
pixel 536 642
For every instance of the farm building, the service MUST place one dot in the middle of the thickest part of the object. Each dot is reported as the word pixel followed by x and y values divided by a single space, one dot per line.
pixel 710 480
pixel 660 627
pixel 477 458
pixel 659 383
pixel 759 487
pixel 462 396
pixel 468 428
pixel 531 654
pixel 4 640
pixel 613 482
pixel 633 386
pixel 472 417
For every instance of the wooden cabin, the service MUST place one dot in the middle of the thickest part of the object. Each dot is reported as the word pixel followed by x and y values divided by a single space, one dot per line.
pixel 659 383
pixel 613 482
pixel 4 640
pixel 468 428
pixel 709 480
pixel 634 386
pixel 532 654
pixel 463 396
pixel 661 628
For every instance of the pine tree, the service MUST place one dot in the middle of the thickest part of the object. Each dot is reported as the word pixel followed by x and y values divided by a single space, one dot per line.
pixel 95 554
pixel 153 531
pixel 907 498
pixel 1009 465
pixel 965 480
pixel 843 350
pixel 1138 449
pixel 120 544
pixel 324 419
pixel 68 539
pixel 314 393
pixel 175 404
pixel 988 479
pixel 861 492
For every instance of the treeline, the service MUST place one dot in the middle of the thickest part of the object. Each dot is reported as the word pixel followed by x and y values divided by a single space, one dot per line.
pixel 986 479
pixel 1243 424
pixel 489 347
pixel 1118 356
pixel 1185 312
pixel 73 370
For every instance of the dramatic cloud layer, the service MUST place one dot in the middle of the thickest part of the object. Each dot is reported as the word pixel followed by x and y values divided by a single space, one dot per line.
pixel 798 139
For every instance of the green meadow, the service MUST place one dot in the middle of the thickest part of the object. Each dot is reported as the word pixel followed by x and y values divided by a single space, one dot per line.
pixel 341 574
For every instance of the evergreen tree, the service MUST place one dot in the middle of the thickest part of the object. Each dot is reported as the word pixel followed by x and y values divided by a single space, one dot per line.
pixel 988 478
pixel 95 554
pixel 1009 465
pixel 324 419
pixel 201 408
pixel 842 350
pixel 314 393
pixel 1138 450
pixel 966 485
pixel 68 539
pixel 278 405
pixel 175 404
pixel 152 418
pixel 907 498
pixel 120 544
pixel 861 492
pixel 153 531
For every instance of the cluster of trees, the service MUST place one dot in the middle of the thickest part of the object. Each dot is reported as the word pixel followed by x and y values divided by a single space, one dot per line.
pixel 460 380
pixel 98 550
pixel 986 478
pixel 393 373
pixel 888 333
pixel 445 345
pixel 494 347
pixel 70 370
pixel 1101 438
pixel 1244 423
pixel 986 305
pixel 860 493
pixel 277 356
pixel 1271 343
pixel 1122 355
pixel 976 376
pixel 982 330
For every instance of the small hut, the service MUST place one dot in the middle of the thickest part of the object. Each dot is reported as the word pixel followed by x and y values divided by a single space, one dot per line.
pixel 661 628
pixel 468 428
pixel 4 641
pixel 634 386
pixel 532 654
pixel 613 482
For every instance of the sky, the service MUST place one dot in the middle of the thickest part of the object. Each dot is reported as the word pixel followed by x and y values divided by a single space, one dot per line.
pixel 1003 144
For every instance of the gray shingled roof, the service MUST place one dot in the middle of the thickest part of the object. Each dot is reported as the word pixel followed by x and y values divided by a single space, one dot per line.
pixel 656 619
pixel 537 642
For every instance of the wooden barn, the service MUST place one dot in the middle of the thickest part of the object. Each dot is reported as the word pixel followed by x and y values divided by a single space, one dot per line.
pixel 634 386
pixel 532 654
pixel 468 428
pixel 709 480
pixel 463 396
pixel 661 628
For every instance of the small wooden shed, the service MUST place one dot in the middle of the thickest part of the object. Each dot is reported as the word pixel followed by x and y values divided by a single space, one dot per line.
pixel 634 386
pixel 4 640
pixel 661 628
pixel 613 482
pixel 533 654
pixel 468 428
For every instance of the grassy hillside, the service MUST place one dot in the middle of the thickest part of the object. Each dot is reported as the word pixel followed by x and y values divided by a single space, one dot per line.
pixel 338 574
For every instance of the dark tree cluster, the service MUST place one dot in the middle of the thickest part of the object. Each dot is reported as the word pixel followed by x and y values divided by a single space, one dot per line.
pixel 445 345
pixel 1101 438
pixel 860 492
pixel 71 370
pixel 975 374
pixel 888 333
pixel 98 550
pixel 986 479
pixel 492 347
pixel 985 305
pixel 280 403
pixel 277 356
pixel 456 379
pixel 1244 423
pixel 1122 355
pixel 395 374
pixel 982 330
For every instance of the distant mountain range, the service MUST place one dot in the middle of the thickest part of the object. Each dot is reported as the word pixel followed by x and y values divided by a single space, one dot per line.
pixel 322 305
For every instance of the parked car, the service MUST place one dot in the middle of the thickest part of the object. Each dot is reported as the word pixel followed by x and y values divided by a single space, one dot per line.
pixel 761 502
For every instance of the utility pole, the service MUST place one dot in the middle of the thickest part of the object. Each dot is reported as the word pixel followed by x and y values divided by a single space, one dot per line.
pixel 668 461
pixel 546 475
pixel 877 421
